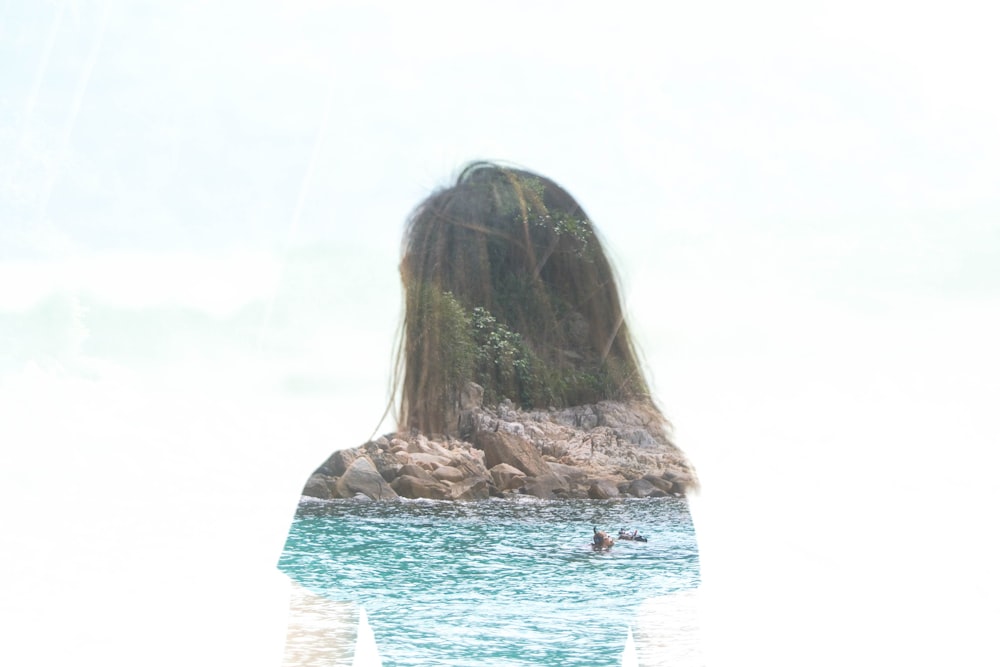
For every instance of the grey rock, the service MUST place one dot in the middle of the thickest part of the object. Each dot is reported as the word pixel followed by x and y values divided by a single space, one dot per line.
pixel 546 486
pixel 603 489
pixel 567 472
pixel 506 477
pixel 448 474
pixel 429 461
pixel 473 488
pixel 362 477
pixel 501 447
pixel 409 486
pixel 413 470
pixel 338 462
pixel 641 488
pixel 680 484
pixel 317 487
pixel 384 460
pixel 659 482
pixel 390 471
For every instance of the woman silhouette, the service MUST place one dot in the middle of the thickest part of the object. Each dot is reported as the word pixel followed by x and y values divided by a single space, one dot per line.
pixel 524 412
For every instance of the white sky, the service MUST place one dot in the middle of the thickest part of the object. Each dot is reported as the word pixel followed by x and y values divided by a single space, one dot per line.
pixel 200 210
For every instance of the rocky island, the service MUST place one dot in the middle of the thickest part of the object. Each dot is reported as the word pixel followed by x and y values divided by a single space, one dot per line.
pixel 602 450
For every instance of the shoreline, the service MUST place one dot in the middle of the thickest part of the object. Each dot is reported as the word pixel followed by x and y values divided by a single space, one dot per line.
pixel 603 451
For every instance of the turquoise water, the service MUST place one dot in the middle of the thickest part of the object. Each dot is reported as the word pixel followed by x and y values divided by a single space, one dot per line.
pixel 495 582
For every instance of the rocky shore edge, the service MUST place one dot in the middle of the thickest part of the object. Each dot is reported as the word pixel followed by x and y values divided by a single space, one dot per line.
pixel 606 450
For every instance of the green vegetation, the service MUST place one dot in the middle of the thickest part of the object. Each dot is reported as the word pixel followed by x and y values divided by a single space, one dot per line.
pixel 474 345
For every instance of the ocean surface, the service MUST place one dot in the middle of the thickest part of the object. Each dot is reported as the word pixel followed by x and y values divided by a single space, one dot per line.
pixel 502 582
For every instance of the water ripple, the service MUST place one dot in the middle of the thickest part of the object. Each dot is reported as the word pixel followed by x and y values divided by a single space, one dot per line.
pixel 494 583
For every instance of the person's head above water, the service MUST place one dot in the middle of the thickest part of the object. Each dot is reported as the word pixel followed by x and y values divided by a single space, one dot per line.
pixel 507 285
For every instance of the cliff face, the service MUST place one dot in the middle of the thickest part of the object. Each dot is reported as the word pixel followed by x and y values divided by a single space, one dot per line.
pixel 600 451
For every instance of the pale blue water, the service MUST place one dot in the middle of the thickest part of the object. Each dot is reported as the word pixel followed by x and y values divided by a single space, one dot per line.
pixel 495 582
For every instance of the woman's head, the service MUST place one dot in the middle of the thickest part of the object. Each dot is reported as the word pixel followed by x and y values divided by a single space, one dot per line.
pixel 507 285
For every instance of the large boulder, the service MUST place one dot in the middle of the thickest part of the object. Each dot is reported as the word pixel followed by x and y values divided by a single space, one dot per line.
pixel 568 472
pixel 421 445
pixel 469 458
pixel 339 461
pixel 362 477
pixel 506 477
pixel 473 488
pixel 413 470
pixel 381 456
pixel 409 486
pixel 448 474
pixel 603 489
pixel 317 487
pixel 642 488
pixel 429 461
pixel 681 483
pixel 546 486
pixel 659 482
pixel 501 447
pixel 389 471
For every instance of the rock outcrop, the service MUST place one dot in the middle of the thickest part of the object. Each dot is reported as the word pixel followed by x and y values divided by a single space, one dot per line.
pixel 599 451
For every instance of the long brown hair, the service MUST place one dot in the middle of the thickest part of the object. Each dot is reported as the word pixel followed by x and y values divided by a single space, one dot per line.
pixel 507 285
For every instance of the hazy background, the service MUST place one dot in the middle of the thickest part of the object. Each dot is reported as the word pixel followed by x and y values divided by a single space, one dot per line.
pixel 200 214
